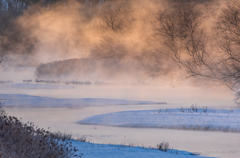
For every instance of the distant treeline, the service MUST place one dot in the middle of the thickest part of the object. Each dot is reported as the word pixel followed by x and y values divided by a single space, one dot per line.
pixel 87 67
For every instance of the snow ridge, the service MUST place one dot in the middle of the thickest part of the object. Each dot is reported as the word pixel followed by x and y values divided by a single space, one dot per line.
pixel 212 119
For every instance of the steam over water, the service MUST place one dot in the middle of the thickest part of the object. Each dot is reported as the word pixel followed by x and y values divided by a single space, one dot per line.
pixel 116 50
pixel 107 40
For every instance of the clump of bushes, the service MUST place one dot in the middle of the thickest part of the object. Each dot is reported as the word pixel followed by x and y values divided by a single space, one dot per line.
pixel 24 140
pixel 164 146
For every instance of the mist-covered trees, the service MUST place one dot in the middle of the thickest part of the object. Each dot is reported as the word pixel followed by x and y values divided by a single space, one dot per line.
pixel 116 18
pixel 178 30
pixel 11 34
pixel 115 22
pixel 183 36
pixel 13 38
pixel 228 30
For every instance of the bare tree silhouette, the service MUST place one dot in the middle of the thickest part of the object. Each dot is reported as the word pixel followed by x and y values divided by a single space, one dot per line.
pixel 182 39
pixel 228 29
pixel 116 17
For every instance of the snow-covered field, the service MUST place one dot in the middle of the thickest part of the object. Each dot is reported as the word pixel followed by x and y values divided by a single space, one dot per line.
pixel 36 101
pixel 91 150
pixel 192 118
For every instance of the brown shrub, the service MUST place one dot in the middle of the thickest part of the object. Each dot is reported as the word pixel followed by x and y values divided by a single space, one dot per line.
pixel 24 140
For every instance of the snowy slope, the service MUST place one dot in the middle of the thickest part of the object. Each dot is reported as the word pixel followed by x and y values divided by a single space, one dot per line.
pixel 210 119
pixel 36 101
pixel 91 150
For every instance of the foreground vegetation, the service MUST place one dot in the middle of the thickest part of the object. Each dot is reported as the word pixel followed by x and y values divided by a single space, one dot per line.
pixel 24 140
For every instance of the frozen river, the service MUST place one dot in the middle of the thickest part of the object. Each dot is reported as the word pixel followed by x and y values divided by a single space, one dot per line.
pixel 218 144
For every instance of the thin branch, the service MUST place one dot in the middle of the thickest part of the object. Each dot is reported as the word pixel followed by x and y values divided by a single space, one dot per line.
pixel 1 59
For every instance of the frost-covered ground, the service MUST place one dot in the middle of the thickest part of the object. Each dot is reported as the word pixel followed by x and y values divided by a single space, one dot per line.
pixel 36 101
pixel 91 150
pixel 194 119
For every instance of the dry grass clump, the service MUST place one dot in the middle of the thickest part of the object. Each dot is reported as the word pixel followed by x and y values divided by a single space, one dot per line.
pixel 24 140
pixel 62 135
pixel 82 139
pixel 164 146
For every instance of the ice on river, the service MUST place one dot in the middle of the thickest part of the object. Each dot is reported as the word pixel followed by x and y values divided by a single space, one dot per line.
pixel 36 101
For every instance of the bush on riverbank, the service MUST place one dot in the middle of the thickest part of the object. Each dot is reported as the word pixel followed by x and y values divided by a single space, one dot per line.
pixel 24 140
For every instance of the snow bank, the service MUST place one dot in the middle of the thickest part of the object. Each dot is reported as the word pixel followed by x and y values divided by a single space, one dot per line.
pixel 203 119
pixel 91 150
pixel 36 101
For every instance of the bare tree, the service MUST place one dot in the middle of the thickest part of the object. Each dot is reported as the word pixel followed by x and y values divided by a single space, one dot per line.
pixel 113 21
pixel 228 29
pixel 182 39
pixel 116 17
pixel 115 25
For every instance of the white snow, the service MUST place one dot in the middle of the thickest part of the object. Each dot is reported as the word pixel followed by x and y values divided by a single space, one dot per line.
pixel 203 119
pixel 91 150
pixel 36 101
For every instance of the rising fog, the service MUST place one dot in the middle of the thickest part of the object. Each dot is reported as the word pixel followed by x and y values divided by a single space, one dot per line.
pixel 94 40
